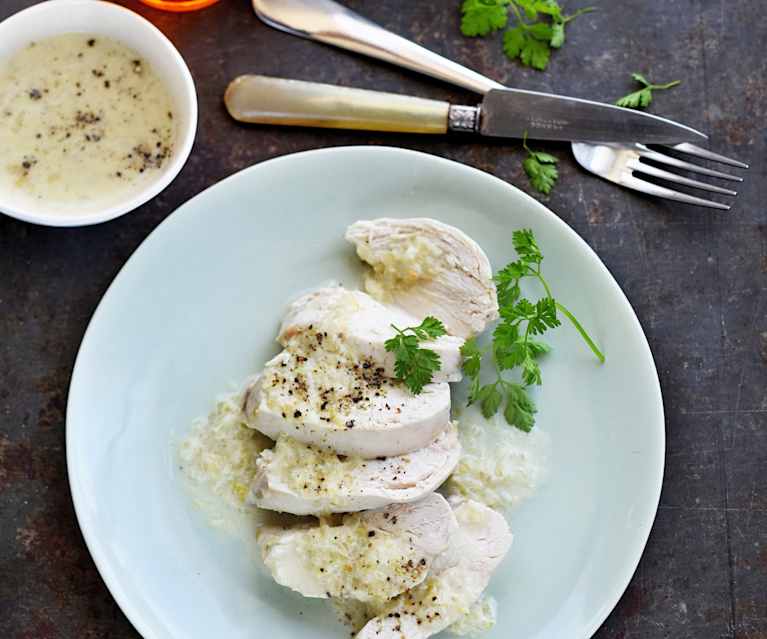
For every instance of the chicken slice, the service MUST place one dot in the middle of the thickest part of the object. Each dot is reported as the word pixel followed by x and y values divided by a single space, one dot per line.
pixel 371 556
pixel 329 400
pixel 476 550
pixel 428 268
pixel 365 325
pixel 297 478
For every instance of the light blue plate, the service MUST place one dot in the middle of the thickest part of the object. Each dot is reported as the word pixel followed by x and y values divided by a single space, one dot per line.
pixel 196 309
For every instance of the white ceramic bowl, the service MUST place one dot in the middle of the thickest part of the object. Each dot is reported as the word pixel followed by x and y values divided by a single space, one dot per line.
pixel 57 17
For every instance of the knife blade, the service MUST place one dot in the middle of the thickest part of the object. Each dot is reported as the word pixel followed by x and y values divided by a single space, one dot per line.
pixel 512 113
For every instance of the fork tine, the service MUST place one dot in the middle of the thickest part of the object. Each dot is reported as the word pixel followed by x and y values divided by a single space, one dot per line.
pixel 692 149
pixel 681 164
pixel 635 183
pixel 673 177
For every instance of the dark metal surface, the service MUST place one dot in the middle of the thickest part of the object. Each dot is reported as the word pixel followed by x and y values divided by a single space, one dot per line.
pixel 696 279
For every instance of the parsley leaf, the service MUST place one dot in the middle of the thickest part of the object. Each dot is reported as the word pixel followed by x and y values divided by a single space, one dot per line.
pixel 472 357
pixel 514 346
pixel 430 328
pixel 539 26
pixel 525 245
pixel 490 400
pixel 520 409
pixel 520 42
pixel 481 17
pixel 413 365
pixel 641 99
pixel 536 348
pixel 557 35
pixel 541 169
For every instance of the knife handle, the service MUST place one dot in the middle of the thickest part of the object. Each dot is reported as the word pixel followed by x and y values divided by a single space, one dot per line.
pixel 265 100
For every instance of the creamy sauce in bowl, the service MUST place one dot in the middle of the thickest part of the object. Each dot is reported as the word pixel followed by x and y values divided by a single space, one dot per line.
pixel 84 122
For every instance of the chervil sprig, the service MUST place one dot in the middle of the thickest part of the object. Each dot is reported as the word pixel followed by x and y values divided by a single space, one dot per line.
pixel 541 169
pixel 413 365
pixel 514 346
pixel 642 98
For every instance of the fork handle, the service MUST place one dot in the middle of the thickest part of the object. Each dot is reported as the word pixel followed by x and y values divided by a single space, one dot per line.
pixel 264 100
pixel 329 22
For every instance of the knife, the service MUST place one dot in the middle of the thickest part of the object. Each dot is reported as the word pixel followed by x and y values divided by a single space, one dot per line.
pixel 505 112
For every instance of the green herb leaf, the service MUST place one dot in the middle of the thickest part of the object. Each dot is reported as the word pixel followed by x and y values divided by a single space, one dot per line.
pixel 520 409
pixel 430 328
pixel 541 169
pixel 543 175
pixel 472 357
pixel 481 17
pixel 524 242
pixel 513 42
pixel 537 349
pixel 528 6
pixel 544 316
pixel 413 365
pixel 423 365
pixel 514 346
pixel 638 77
pixel 540 31
pixel 557 35
pixel 505 335
pixel 549 8
pixel 521 42
pixel 491 400
pixel 636 100
pixel 540 27
pixel 531 372
pixel 473 390
pixel 641 99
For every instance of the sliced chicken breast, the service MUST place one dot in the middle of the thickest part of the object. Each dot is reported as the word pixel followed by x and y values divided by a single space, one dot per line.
pixel 333 401
pixel 300 479
pixel 371 556
pixel 428 268
pixel 476 550
pixel 364 324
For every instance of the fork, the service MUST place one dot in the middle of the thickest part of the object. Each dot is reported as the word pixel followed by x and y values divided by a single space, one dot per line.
pixel 329 22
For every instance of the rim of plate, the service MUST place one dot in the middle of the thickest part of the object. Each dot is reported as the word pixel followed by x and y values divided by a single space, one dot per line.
pixel 109 575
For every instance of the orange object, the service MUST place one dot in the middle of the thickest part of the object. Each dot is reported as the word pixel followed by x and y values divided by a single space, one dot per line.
pixel 179 5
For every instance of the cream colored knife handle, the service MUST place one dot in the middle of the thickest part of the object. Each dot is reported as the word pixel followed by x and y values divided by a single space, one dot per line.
pixel 265 100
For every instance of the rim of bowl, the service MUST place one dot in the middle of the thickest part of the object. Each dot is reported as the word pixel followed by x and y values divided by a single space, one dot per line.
pixel 185 137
